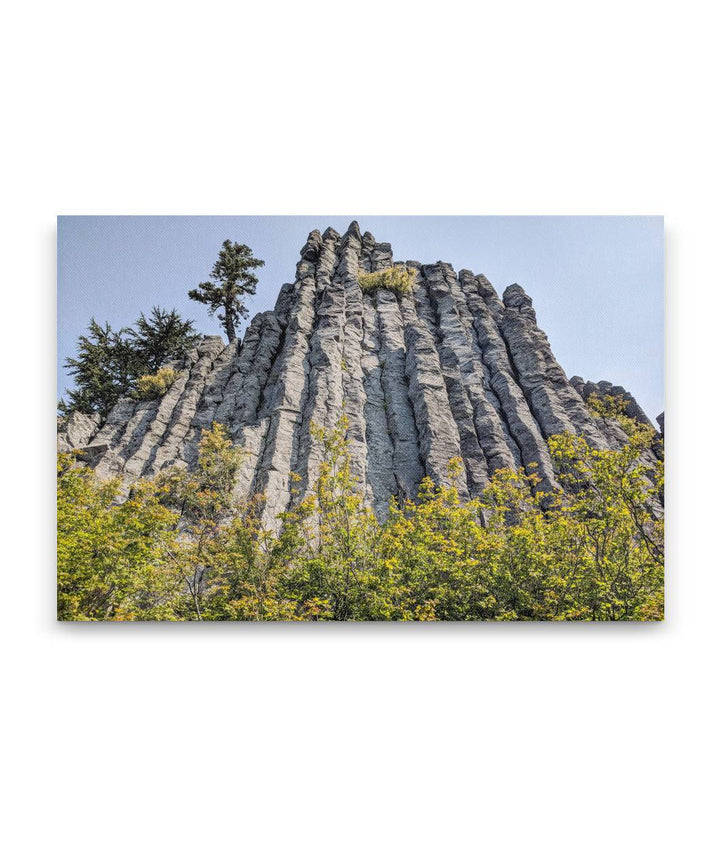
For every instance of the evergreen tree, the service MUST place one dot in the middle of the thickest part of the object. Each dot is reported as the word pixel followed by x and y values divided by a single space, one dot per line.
pixel 161 337
pixel 232 279
pixel 109 362
pixel 104 369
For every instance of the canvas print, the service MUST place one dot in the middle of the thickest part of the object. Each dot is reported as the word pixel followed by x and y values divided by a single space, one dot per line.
pixel 360 419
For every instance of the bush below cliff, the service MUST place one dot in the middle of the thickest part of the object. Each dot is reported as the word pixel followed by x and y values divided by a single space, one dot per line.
pixel 180 548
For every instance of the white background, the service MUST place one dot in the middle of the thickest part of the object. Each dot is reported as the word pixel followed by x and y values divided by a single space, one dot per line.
pixel 359 739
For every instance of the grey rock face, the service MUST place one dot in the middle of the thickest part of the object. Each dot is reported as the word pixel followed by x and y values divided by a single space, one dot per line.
pixel 587 388
pixel 76 431
pixel 447 371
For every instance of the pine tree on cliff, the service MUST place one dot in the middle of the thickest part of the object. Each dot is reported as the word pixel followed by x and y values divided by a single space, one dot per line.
pixel 232 279
pixel 109 362
pixel 161 337
pixel 103 370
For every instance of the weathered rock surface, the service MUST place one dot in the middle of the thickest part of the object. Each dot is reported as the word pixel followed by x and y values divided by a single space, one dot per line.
pixel 450 370
pixel 603 388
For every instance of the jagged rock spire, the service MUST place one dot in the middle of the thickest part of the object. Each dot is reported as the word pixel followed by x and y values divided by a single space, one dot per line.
pixel 449 370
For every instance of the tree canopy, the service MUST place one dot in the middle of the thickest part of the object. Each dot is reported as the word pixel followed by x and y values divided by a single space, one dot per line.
pixel 232 280
pixel 103 370
pixel 161 337
pixel 109 363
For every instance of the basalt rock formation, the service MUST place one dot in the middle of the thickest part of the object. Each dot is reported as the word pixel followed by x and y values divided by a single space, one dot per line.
pixel 447 370
pixel 603 388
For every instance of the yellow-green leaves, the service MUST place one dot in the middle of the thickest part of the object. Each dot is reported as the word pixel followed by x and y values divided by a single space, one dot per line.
pixel 155 385
pixel 111 557
pixel 181 547
pixel 398 279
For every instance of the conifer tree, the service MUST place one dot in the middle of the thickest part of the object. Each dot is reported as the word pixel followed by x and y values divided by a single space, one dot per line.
pixel 161 337
pixel 232 279
pixel 104 369
pixel 109 362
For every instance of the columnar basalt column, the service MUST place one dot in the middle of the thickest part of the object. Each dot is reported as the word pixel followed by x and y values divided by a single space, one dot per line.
pixel 447 370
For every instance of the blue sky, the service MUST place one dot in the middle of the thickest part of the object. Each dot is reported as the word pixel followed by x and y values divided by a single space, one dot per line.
pixel 596 282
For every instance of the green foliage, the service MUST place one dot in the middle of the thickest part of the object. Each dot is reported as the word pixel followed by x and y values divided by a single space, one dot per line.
pixel 109 362
pixel 183 548
pixel 155 385
pixel 397 279
pixel 206 492
pixel 104 369
pixel 613 407
pixel 232 280
pixel 161 337
pixel 204 499
pixel 329 540
pixel 111 558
